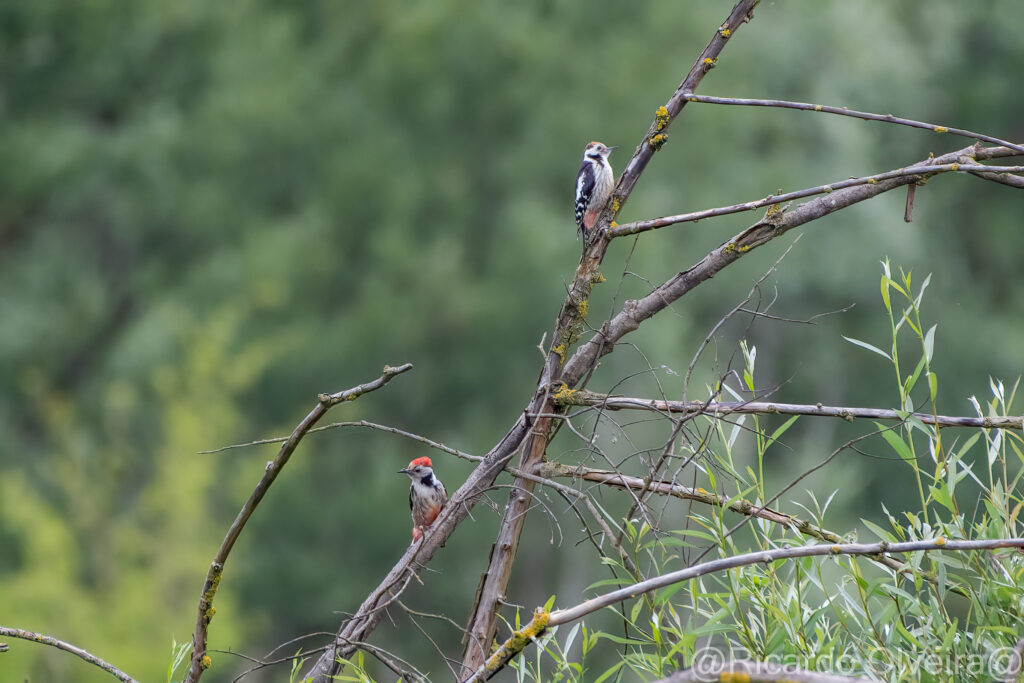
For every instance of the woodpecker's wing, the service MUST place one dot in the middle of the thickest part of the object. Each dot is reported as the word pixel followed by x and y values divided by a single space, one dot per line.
pixel 584 191
pixel 444 494
pixel 411 489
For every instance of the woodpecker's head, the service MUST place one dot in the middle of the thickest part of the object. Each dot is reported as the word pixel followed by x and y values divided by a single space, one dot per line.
pixel 597 151
pixel 419 469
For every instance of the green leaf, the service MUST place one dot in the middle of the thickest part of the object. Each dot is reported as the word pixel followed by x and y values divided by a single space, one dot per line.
pixel 929 342
pixel 610 672
pixel 869 347
pixel 607 582
pixel 782 429
pixel 619 639
pixel 549 604
pixel 940 494
pixel 898 444
pixel 569 639
pixel 908 386
pixel 878 531
pixel 635 612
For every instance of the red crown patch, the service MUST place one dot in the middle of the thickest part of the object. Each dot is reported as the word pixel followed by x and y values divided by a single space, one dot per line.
pixel 425 461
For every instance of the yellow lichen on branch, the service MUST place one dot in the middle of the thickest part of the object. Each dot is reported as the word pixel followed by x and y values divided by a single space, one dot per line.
pixel 216 569
pixel 519 640
pixel 661 118
pixel 734 677
pixel 565 396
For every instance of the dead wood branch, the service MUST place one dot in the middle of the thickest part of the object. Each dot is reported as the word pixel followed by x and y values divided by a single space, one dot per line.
pixel 67 647
pixel 200 660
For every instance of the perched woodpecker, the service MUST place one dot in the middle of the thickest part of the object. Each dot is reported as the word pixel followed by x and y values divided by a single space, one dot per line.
pixel 594 185
pixel 426 495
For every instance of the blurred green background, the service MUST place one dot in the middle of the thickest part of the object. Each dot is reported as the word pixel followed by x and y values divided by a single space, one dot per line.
pixel 210 212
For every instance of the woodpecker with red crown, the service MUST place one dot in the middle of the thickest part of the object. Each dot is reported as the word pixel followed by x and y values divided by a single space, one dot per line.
pixel 426 495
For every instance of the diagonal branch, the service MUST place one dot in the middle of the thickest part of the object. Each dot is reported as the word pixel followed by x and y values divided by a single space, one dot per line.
pixel 483 620
pixel 763 556
pixel 544 620
pixel 634 312
pixel 200 660
pixel 720 408
pixel 365 620
pixel 668 488
pixel 67 647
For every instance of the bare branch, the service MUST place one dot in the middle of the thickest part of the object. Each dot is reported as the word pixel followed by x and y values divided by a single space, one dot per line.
pixel 67 647
pixel 634 312
pixel 720 408
pixel 200 660
pixel 668 488
pixel 922 170
pixel 843 111
pixel 756 672
pixel 1002 178
pixel 573 613
pixel 544 620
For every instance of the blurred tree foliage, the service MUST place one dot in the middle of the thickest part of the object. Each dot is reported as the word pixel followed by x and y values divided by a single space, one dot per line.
pixel 209 212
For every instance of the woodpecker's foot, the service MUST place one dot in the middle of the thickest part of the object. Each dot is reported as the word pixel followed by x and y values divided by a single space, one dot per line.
pixel 417 534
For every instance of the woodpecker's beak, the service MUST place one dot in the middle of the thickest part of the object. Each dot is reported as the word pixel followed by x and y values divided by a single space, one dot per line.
pixel 613 147
pixel 403 471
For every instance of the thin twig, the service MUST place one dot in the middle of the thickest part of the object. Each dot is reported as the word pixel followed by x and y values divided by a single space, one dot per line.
pixel 667 488
pixel 843 111
pixel 720 408
pixel 200 660
pixel 67 647
pixel 921 171
pixel 764 556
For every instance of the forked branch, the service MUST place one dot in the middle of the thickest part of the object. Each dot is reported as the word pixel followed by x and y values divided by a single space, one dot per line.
pixel 635 312
pixel 200 660
pixel 482 624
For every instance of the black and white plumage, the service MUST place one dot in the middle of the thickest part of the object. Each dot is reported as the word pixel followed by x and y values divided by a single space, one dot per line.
pixel 594 184
pixel 426 495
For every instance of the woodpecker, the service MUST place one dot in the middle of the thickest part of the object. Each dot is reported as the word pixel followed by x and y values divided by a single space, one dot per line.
pixel 594 185
pixel 426 495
